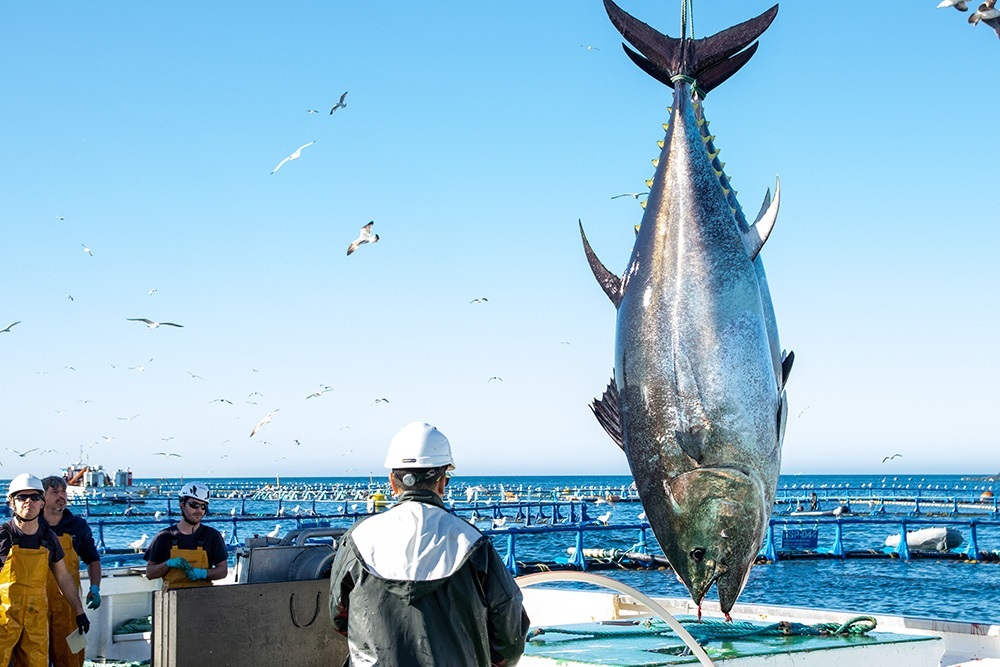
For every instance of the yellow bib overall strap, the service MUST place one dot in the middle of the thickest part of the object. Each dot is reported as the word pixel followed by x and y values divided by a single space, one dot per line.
pixel 62 617
pixel 24 627
pixel 175 578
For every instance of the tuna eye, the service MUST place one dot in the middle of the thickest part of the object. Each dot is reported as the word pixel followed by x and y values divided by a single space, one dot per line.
pixel 697 554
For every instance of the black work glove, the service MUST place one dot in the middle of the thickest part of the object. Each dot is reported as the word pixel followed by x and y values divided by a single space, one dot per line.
pixel 83 623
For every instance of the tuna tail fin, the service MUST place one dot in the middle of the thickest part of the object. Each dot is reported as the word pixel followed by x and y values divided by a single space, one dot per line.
pixel 606 411
pixel 611 283
pixel 709 61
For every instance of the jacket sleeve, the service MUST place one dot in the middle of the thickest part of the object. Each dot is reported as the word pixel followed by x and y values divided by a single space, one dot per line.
pixel 508 622
pixel 341 585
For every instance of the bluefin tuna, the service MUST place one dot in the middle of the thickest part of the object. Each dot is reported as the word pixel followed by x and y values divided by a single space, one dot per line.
pixel 698 400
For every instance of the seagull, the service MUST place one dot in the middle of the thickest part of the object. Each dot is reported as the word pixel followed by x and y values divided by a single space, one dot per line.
pixel 604 518
pixel 265 420
pixel 366 236
pixel 340 104
pixel 317 394
pixel 139 544
pixel 890 457
pixel 482 299
pixel 87 250
pixel 152 291
pixel 70 297
pixel 274 533
pixel 988 14
pixel 128 419
pixel 152 325
pixel 633 195
pixel 294 156
pixel 960 5
pixel 589 47
pixel 221 400
pixel 7 328
pixel 312 110
pixel 195 376
pixel 157 514
pixel 495 377
pixel 167 454
pixel 380 400
pixel 21 454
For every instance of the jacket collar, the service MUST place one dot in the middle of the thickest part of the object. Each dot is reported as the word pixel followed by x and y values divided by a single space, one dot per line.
pixel 422 496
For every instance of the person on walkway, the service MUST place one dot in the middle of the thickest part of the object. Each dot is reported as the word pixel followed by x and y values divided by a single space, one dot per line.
pixel 77 542
pixel 188 553
pixel 417 586
pixel 29 550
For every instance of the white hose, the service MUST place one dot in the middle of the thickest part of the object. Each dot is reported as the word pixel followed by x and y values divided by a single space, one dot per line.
pixel 655 607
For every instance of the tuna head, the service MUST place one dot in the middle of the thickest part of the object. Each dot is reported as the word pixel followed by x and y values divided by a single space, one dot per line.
pixel 717 518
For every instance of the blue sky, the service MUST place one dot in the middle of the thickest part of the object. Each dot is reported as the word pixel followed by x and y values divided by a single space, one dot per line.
pixel 475 136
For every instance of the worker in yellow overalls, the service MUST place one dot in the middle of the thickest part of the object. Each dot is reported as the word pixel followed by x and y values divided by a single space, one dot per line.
pixel 77 542
pixel 30 550
pixel 188 553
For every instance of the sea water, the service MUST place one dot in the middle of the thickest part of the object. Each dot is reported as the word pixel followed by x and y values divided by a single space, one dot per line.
pixel 944 589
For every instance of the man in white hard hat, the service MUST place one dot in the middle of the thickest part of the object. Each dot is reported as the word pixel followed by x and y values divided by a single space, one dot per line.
pixel 29 550
pixel 188 553
pixel 417 586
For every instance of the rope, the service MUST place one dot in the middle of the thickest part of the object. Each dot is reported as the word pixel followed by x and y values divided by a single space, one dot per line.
pixel 687 18
pixel 708 630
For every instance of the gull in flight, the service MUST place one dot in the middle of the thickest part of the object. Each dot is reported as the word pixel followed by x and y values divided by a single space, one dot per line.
pixel 265 420
pixel 152 291
pixel 366 236
pixel 312 110
pixel 889 458
pixel 495 377
pixel 589 47
pixel 317 394
pixel 128 419
pixel 21 454
pixel 960 5
pixel 381 400
pixel 167 454
pixel 152 325
pixel 481 299
pixel 988 14
pixel 7 328
pixel 633 195
pixel 87 250
pixel 139 544
pixel 195 376
pixel 339 105
pixel 221 400
pixel 294 156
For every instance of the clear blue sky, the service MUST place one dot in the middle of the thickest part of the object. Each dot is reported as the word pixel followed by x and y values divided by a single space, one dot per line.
pixel 475 136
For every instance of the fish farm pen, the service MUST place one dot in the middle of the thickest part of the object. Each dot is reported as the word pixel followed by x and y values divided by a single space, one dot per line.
pixel 591 528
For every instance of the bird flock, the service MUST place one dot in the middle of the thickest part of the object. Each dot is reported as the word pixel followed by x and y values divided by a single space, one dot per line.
pixel 986 13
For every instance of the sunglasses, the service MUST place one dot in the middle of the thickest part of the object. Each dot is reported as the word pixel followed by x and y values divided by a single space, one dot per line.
pixel 26 497
pixel 197 506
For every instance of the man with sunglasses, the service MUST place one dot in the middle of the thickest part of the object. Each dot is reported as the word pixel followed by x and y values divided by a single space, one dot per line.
pixel 417 586
pixel 188 553
pixel 29 550
pixel 77 542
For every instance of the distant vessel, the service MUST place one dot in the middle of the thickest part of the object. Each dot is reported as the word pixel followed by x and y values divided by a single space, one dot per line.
pixel 82 479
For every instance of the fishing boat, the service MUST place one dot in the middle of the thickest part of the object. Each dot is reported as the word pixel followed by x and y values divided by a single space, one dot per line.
pixel 85 479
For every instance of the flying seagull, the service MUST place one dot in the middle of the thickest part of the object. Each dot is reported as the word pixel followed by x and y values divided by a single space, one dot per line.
pixel 381 400
pixel 366 236
pixel 167 454
pixel 988 14
pixel 633 195
pixel 890 457
pixel 265 420
pixel 152 325
pixel 312 110
pixel 294 156
pixel 7 328
pixel 482 299
pixel 589 47
pixel 960 5
pixel 495 377
pixel 221 400
pixel 340 104
pixel 21 454
pixel 87 250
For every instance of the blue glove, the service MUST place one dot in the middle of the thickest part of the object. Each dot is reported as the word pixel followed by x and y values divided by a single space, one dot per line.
pixel 179 563
pixel 94 597
pixel 197 573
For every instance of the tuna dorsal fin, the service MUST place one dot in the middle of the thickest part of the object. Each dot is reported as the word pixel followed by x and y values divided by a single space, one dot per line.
pixel 761 228
pixel 611 283
pixel 691 442
pixel 608 416
pixel 786 367
pixel 709 61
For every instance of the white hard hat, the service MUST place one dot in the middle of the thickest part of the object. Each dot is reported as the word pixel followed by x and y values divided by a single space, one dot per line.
pixel 419 445
pixel 25 482
pixel 195 490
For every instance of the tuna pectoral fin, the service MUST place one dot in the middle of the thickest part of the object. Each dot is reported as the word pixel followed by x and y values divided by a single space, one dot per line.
pixel 761 228
pixel 691 442
pixel 786 367
pixel 608 416
pixel 611 283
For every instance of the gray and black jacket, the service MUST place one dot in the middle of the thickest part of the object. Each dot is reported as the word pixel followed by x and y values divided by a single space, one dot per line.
pixel 417 586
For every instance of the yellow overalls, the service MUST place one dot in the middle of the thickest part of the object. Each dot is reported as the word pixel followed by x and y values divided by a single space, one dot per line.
pixel 24 623
pixel 62 617
pixel 175 578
